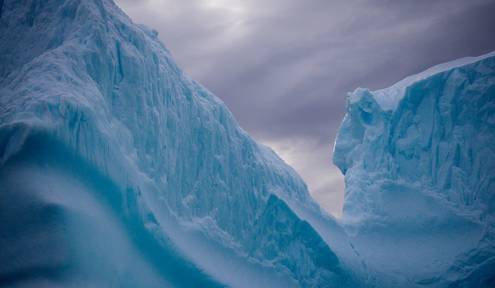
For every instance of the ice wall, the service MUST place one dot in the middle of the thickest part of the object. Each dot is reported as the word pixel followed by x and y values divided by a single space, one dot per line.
pixel 116 169
pixel 119 170
pixel 419 166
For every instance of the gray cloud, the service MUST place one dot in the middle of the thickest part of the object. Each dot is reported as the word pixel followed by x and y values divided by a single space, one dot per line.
pixel 284 67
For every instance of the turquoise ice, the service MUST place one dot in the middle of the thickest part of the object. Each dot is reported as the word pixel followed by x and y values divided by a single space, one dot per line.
pixel 117 170
pixel 419 165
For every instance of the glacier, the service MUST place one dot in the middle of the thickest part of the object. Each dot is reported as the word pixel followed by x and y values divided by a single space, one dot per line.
pixel 419 165
pixel 117 169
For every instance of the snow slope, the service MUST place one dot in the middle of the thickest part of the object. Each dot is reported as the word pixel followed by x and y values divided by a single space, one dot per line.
pixel 116 169
pixel 419 165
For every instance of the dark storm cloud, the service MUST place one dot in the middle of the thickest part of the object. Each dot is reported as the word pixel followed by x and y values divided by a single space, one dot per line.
pixel 284 67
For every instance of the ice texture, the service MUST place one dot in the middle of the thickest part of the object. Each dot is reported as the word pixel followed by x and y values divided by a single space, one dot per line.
pixel 419 166
pixel 117 170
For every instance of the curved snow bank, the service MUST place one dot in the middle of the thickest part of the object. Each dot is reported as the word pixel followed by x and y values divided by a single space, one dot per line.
pixel 419 165
pixel 118 170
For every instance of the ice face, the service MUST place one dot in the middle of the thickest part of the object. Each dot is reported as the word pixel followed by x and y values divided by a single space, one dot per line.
pixel 119 170
pixel 116 169
pixel 419 166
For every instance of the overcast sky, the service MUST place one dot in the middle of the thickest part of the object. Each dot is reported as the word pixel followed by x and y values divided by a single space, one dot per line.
pixel 284 67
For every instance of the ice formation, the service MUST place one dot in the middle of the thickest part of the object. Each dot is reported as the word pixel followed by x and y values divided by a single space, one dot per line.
pixel 419 165
pixel 117 170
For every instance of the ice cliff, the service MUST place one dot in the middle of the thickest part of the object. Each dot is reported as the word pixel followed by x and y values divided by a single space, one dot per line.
pixel 419 166
pixel 117 170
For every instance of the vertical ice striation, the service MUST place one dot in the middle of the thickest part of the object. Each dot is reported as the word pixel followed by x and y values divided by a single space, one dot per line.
pixel 116 169
pixel 419 166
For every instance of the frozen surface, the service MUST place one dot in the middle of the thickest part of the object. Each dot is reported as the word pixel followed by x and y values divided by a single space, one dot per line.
pixel 419 166
pixel 117 170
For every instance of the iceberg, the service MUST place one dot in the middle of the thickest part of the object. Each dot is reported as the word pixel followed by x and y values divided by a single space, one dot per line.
pixel 116 169
pixel 419 165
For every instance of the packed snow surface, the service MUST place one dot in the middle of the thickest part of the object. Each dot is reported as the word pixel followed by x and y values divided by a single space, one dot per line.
pixel 117 170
